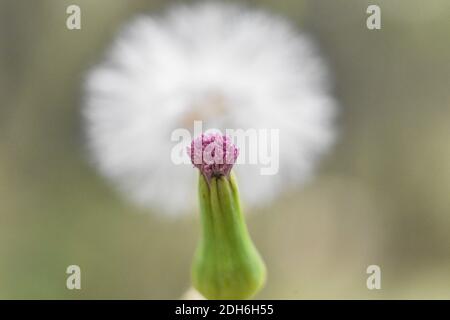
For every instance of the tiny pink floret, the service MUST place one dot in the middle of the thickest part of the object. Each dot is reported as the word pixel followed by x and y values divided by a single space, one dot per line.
pixel 213 154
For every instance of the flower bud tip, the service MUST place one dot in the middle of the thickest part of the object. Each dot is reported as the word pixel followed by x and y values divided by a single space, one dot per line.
pixel 213 154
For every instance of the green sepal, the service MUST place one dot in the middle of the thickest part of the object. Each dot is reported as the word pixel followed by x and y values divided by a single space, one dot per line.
pixel 226 264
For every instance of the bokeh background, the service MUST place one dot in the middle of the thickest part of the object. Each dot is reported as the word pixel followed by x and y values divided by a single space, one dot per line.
pixel 381 195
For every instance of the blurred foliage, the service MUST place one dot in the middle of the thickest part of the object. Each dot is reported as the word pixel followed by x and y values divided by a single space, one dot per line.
pixel 381 196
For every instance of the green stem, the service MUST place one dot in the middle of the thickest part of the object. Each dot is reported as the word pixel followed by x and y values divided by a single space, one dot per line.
pixel 227 264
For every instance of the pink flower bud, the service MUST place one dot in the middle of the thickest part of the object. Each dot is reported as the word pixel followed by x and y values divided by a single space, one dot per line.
pixel 213 154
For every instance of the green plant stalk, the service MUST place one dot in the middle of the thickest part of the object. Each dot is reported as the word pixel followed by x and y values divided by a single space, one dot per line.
pixel 226 264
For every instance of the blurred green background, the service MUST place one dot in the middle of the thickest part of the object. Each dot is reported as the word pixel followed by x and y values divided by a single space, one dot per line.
pixel 381 195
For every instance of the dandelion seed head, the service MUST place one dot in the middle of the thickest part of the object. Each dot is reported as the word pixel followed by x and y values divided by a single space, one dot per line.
pixel 226 65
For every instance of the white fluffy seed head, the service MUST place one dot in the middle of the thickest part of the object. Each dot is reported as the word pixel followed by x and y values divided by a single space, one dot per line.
pixel 226 65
